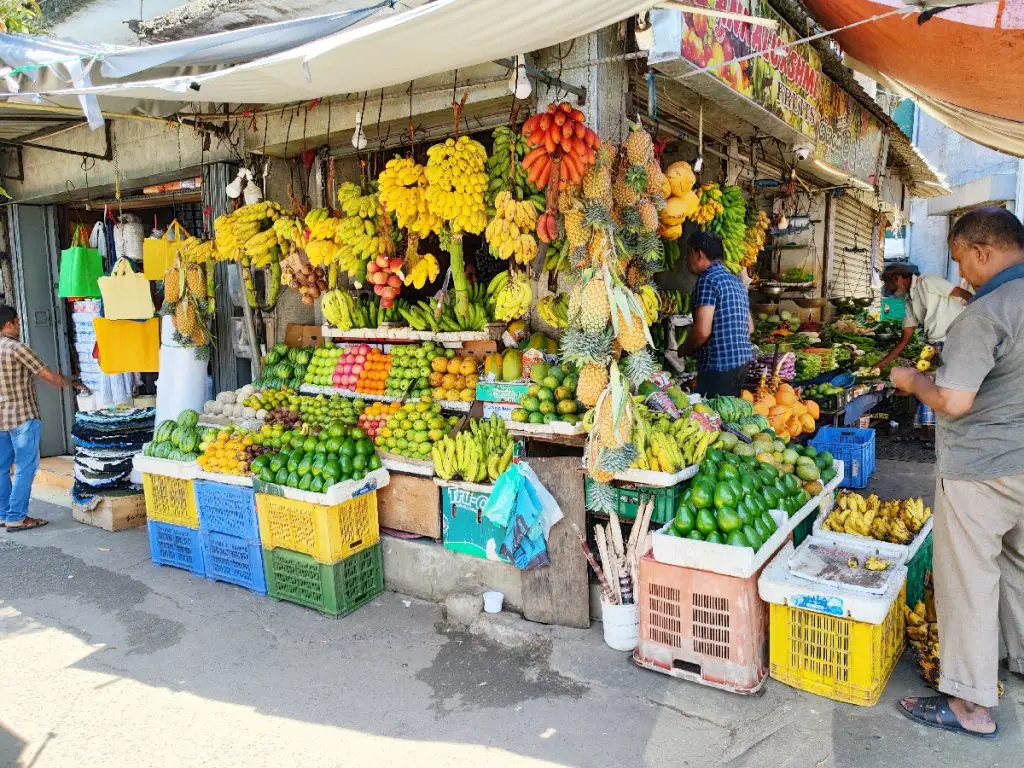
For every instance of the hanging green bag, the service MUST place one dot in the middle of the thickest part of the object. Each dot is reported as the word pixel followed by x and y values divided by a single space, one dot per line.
pixel 80 269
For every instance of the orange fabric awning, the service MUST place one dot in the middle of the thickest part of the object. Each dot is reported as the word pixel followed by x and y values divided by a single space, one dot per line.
pixel 970 56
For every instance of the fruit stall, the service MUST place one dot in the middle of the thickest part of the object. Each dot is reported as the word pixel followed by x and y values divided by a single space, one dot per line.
pixel 429 386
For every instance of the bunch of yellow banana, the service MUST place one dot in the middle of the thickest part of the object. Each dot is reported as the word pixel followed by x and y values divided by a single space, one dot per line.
pixel 554 310
pixel 456 183
pixel 510 233
pixel 648 296
pixel 513 299
pixel 290 229
pixel 693 440
pixel 195 250
pixel 753 240
pixel 922 628
pixel 354 203
pixel 234 230
pixel 673 302
pixel 403 190
pixel 337 307
pixel 260 248
pixel 710 205
pixel 421 270
pixel 662 454
pixel 473 457
pixel 896 521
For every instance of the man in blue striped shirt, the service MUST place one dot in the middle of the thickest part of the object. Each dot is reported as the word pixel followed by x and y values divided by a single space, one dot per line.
pixel 720 336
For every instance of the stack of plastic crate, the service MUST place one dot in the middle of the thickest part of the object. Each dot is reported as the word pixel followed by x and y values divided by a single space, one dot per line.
pixel 229 534
pixel 173 521
pixel 326 557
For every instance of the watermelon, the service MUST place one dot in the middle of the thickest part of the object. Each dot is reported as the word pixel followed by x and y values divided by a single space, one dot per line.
pixel 162 450
pixel 164 430
pixel 188 418
pixel 189 440
pixel 147 449
pixel 176 436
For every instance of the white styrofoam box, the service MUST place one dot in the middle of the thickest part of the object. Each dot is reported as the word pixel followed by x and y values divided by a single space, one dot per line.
pixel 777 585
pixel 728 560
pixel 657 479
pixel 825 562
pixel 150 465
pixel 242 481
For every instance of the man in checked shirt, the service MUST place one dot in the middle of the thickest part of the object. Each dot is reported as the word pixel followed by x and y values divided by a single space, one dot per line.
pixel 720 336
pixel 20 425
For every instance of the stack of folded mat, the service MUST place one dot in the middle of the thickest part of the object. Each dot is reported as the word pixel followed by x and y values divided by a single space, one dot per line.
pixel 105 442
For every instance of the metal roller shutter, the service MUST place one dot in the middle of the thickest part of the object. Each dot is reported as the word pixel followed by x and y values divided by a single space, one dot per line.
pixel 854 248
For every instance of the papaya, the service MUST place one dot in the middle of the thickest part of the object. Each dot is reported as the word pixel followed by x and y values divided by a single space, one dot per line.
pixel 512 365
pixel 493 366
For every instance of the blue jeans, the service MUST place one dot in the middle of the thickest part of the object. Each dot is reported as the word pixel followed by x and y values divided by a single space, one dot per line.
pixel 20 447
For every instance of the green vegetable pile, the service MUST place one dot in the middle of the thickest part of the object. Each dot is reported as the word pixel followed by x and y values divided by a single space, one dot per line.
pixel 315 462
pixel 176 440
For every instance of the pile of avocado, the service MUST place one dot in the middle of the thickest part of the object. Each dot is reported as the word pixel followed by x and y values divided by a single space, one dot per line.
pixel 729 499
pixel 316 462
pixel 551 397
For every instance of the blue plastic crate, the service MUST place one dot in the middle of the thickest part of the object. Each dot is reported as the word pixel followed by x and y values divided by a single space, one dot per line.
pixel 227 509
pixel 235 560
pixel 856 448
pixel 176 545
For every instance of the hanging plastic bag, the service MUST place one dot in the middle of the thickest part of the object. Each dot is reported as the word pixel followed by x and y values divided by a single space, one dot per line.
pixel 159 253
pixel 129 236
pixel 128 346
pixel 80 269
pixel 525 510
pixel 126 293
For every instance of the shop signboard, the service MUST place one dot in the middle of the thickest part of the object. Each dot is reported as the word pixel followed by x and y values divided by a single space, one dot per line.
pixel 786 81
pixel 464 527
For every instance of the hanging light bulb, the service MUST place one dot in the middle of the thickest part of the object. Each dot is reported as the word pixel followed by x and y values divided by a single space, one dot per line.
pixel 644 33
pixel 519 82
pixel 358 137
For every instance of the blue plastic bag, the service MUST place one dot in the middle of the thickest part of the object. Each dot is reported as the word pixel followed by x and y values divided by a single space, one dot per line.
pixel 523 507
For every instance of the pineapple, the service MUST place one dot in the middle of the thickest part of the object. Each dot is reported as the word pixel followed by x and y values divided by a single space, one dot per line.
pixel 639 367
pixel 623 193
pixel 172 285
pixel 638 146
pixel 575 231
pixel 649 216
pixel 599 246
pixel 594 307
pixel 656 180
pixel 575 303
pixel 579 348
pixel 597 182
pixel 636 179
pixel 580 257
pixel 631 334
pixel 593 379
pixel 185 317
pixel 635 277
pixel 194 280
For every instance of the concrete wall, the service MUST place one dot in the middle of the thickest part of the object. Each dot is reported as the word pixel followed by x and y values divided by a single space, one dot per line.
pixel 963 162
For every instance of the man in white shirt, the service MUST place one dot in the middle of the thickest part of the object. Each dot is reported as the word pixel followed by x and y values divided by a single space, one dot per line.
pixel 932 301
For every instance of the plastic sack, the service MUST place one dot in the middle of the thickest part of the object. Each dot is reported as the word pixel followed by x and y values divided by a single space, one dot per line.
pixel 159 253
pixel 80 269
pixel 126 293
pixel 128 346
pixel 523 507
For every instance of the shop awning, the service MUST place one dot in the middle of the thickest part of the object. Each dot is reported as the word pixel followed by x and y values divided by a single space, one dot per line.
pixel 436 37
pixel 962 65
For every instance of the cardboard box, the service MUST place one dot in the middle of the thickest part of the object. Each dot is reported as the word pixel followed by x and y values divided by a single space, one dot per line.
pixel 504 410
pixel 501 391
pixel 465 529
pixel 411 504
pixel 114 513
pixel 296 335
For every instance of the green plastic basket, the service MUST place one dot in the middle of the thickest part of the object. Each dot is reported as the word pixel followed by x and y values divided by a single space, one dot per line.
pixel 630 497
pixel 803 530
pixel 336 589
pixel 917 567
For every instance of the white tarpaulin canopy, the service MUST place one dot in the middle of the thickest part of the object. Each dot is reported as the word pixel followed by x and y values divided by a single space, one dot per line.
pixel 436 37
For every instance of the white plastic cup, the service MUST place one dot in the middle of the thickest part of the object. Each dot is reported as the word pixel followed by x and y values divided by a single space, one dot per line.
pixel 621 625
pixel 493 602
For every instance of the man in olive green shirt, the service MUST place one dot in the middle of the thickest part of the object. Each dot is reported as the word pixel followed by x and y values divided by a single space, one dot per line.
pixel 978 396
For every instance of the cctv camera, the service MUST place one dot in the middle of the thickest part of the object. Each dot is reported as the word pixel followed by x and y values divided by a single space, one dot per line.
pixel 802 151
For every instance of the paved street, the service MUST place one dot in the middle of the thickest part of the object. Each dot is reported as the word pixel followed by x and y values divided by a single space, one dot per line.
pixel 108 661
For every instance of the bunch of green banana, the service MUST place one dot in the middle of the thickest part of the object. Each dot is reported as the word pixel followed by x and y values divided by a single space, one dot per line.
pixel 553 309
pixel 513 299
pixel 337 307
pixel 556 258
pixel 672 254
pixel 693 440
pixel 731 225
pixel 491 433
pixel 673 303
pixel 425 316
pixel 505 169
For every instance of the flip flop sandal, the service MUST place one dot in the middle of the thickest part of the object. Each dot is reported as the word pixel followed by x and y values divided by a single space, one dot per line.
pixel 934 712
pixel 29 524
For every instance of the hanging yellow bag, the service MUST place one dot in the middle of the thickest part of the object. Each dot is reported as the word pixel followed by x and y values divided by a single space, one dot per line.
pixel 128 346
pixel 158 253
pixel 126 294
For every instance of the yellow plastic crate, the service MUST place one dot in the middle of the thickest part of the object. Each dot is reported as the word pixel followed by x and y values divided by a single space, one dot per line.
pixel 170 500
pixel 327 534
pixel 841 659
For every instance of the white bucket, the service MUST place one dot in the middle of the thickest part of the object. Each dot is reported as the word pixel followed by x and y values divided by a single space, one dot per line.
pixel 621 625
pixel 493 602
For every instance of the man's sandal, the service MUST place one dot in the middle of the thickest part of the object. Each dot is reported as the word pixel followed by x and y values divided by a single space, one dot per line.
pixel 27 525
pixel 934 711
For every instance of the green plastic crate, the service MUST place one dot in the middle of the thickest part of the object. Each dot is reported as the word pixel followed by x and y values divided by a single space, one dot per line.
pixel 803 530
pixel 918 566
pixel 630 497
pixel 336 589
